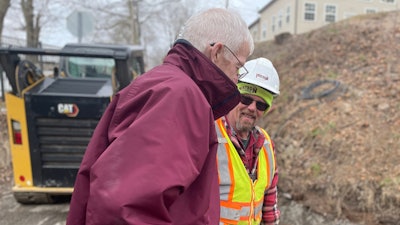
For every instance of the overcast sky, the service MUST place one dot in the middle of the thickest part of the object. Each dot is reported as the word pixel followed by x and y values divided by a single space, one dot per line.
pixel 248 8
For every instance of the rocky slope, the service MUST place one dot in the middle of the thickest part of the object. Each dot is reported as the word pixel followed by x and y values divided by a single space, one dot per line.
pixel 336 124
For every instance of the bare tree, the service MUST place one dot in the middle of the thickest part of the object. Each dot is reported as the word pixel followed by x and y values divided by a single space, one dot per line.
pixel 116 21
pixel 152 23
pixel 32 23
pixel 36 15
pixel 4 5
pixel 161 23
pixel 134 20
pixel 125 26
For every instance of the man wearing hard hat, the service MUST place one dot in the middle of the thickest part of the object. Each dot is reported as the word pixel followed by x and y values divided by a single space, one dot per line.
pixel 247 169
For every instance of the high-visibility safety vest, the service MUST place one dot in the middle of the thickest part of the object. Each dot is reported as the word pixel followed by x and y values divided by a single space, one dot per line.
pixel 242 198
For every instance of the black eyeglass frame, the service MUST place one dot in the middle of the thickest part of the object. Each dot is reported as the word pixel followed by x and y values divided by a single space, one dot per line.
pixel 246 100
pixel 240 76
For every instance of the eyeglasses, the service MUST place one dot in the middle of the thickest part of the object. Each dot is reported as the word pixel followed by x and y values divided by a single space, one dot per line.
pixel 259 105
pixel 242 71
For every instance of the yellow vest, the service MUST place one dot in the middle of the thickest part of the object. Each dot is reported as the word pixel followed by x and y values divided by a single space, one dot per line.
pixel 242 199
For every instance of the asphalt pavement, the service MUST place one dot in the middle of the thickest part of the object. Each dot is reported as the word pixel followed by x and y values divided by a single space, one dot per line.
pixel 14 213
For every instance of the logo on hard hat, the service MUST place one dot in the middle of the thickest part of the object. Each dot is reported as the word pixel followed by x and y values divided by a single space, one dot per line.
pixel 249 89
pixel 261 76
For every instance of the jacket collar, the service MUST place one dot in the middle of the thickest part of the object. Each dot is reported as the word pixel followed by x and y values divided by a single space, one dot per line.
pixel 220 91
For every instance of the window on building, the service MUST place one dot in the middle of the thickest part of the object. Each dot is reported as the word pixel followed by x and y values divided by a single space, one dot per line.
pixel 330 13
pixel 288 14
pixel 280 18
pixel 273 24
pixel 264 31
pixel 389 1
pixel 255 34
pixel 309 12
pixel 370 11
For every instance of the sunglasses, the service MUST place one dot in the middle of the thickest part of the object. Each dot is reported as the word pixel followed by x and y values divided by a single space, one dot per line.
pixel 259 105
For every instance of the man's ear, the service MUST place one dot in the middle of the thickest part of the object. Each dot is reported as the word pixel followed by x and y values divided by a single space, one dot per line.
pixel 216 51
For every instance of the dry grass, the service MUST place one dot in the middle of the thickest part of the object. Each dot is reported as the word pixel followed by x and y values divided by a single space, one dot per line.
pixel 339 154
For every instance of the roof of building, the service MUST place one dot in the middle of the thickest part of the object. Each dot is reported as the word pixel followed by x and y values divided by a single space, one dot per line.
pixel 266 6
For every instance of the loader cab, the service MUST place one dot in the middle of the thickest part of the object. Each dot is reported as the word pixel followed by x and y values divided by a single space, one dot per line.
pixel 79 67
pixel 126 66
pixel 118 63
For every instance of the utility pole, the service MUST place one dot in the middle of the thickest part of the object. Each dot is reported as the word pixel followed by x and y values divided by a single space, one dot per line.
pixel 226 3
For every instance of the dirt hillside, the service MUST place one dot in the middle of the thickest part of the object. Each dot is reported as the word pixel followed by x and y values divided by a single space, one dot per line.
pixel 336 124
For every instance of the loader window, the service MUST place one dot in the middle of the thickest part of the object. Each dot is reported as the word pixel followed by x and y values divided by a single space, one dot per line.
pixel 83 67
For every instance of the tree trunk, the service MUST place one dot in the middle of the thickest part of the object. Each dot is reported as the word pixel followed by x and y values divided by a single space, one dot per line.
pixel 32 26
pixel 4 5
pixel 134 20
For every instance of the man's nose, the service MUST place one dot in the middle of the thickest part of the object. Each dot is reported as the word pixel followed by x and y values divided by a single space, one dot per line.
pixel 252 106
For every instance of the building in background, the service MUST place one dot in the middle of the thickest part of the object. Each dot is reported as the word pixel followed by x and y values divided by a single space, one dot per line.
pixel 300 16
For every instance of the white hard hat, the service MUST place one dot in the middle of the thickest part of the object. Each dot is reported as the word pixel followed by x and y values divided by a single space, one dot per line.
pixel 261 73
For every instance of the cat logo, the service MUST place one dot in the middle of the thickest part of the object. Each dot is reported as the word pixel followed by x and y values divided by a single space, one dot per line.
pixel 70 110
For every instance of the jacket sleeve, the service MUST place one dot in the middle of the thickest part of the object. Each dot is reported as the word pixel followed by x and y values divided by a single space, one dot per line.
pixel 98 143
pixel 270 211
pixel 158 146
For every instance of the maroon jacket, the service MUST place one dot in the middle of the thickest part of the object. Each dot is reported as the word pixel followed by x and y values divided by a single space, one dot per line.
pixel 151 159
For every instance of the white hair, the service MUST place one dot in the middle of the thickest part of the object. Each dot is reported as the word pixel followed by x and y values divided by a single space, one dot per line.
pixel 217 25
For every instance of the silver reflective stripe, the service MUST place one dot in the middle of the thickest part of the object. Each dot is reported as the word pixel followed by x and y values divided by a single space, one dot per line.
pixel 258 209
pixel 222 140
pixel 234 214
pixel 223 168
pixel 270 159
pixel 228 213
pixel 245 211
